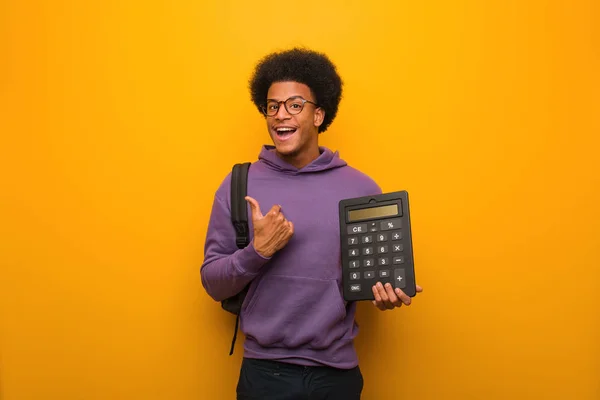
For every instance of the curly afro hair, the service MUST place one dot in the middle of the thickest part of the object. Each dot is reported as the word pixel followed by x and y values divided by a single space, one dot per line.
pixel 309 67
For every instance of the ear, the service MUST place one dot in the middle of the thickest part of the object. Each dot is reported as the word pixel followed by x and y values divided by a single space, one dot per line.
pixel 319 116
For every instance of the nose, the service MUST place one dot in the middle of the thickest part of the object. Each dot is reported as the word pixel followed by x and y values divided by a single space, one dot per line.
pixel 282 113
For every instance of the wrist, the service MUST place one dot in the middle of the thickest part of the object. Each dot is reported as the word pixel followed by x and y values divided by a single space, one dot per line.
pixel 265 253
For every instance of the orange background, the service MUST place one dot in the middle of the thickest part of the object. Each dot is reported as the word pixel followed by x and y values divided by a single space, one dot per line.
pixel 119 119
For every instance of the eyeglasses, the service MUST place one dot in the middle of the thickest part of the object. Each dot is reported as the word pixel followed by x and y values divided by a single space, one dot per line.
pixel 294 105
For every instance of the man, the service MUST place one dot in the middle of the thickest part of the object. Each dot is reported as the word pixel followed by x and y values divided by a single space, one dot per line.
pixel 299 331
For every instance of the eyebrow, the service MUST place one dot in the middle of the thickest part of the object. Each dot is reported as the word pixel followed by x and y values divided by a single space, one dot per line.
pixel 291 97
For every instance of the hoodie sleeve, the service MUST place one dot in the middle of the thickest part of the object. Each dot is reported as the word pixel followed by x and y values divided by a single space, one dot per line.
pixel 226 269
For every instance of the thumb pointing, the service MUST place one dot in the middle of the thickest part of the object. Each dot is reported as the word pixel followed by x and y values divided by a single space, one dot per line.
pixel 256 213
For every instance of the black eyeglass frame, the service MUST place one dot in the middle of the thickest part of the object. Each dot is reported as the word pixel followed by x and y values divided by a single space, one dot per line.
pixel 304 101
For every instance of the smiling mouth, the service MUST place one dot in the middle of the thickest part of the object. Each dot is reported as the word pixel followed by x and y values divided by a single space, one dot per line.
pixel 284 133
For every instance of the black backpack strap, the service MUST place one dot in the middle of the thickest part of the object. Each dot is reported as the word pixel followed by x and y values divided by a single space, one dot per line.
pixel 237 323
pixel 239 206
pixel 239 218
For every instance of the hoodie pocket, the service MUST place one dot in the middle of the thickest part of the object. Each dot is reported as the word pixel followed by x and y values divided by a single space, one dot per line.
pixel 292 312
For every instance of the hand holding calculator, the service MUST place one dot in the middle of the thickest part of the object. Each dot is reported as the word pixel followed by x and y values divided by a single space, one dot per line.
pixel 376 243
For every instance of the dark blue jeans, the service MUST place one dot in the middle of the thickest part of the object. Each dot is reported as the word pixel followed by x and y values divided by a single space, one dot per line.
pixel 272 380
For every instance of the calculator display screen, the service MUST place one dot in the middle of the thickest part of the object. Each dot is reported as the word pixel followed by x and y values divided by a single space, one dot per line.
pixel 373 212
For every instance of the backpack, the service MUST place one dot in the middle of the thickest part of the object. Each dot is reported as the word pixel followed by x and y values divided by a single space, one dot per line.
pixel 239 219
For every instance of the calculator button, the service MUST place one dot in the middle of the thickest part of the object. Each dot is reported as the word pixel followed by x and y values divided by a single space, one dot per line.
pixel 390 224
pixel 354 275
pixel 369 262
pixel 399 260
pixel 382 237
pixel 359 228
pixel 352 240
pixel 367 251
pixel 397 235
pixel 399 278
pixel 353 252
pixel 354 264
pixel 367 239
pixel 398 248
pixel 369 274
pixel 384 261
pixel 373 227
pixel 382 249
pixel 355 287
pixel 384 273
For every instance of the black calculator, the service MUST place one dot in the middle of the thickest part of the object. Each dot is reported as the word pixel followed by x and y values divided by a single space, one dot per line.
pixel 376 244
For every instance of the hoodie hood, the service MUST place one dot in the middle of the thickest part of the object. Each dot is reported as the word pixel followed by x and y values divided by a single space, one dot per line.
pixel 327 160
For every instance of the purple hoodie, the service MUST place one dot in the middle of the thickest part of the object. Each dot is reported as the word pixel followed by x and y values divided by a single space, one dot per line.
pixel 294 310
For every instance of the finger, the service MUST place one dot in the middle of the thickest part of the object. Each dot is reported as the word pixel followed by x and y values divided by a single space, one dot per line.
pixel 256 213
pixel 275 210
pixel 384 297
pixel 280 217
pixel 419 289
pixel 392 296
pixel 378 301
pixel 287 232
pixel 403 296
pixel 376 294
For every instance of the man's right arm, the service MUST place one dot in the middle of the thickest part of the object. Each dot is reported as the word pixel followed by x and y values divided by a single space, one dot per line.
pixel 226 269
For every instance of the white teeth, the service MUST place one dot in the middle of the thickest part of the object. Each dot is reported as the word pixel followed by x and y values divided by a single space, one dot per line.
pixel 284 129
